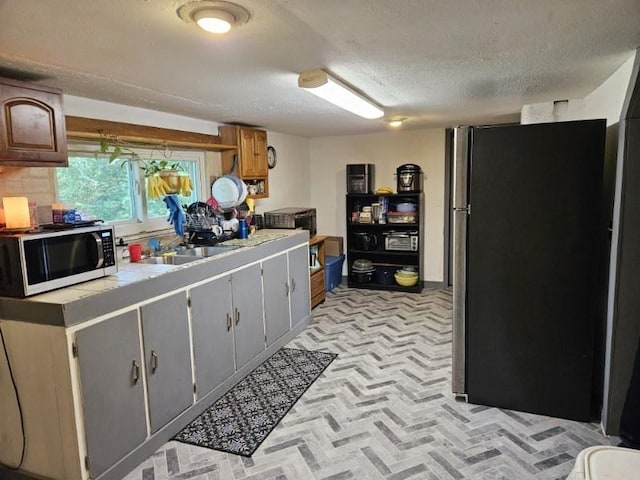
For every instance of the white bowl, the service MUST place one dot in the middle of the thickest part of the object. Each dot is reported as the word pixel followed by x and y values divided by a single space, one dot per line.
pixel 406 207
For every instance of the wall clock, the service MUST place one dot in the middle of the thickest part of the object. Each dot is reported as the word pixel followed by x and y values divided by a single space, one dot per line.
pixel 272 157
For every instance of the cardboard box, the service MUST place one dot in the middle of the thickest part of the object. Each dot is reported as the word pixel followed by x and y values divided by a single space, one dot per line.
pixel 333 246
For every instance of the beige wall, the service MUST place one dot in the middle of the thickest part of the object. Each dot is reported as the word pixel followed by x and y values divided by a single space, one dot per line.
pixel 290 179
pixel 387 151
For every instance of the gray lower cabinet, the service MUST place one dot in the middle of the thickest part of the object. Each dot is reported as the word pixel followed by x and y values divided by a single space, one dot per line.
pixel 165 333
pixel 300 292
pixel 112 389
pixel 211 324
pixel 246 294
pixel 275 284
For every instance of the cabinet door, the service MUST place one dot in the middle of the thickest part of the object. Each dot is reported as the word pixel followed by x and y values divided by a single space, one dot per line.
pixel 299 281
pixel 260 166
pixel 112 389
pixel 32 126
pixel 253 153
pixel 275 284
pixel 165 331
pixel 211 323
pixel 246 286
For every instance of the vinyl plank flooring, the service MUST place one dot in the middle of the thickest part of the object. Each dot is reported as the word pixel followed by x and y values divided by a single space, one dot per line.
pixel 384 409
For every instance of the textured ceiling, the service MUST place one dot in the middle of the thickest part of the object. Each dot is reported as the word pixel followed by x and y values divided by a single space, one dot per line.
pixel 439 63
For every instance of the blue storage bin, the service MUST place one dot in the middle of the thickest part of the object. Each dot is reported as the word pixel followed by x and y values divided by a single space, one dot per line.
pixel 333 271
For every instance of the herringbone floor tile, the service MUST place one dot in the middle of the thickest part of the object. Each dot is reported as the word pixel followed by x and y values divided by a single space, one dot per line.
pixel 384 410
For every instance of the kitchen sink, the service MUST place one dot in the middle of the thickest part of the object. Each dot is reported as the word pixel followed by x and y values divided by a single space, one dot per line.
pixel 171 259
pixel 207 251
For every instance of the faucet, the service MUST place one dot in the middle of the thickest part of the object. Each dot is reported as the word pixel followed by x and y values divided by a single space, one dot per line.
pixel 171 244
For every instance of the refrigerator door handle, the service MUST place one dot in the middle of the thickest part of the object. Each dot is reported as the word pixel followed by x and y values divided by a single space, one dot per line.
pixel 461 210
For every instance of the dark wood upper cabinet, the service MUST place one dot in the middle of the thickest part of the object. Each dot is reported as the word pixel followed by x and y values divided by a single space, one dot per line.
pixel 32 125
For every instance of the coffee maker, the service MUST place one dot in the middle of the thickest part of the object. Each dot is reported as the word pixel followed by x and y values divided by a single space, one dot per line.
pixel 409 178
pixel 360 178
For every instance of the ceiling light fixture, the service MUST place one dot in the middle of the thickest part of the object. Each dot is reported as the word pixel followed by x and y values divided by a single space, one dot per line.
pixel 214 16
pixel 323 85
pixel 396 122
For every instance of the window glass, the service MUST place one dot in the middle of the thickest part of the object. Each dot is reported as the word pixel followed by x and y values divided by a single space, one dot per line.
pixel 96 187
pixel 116 191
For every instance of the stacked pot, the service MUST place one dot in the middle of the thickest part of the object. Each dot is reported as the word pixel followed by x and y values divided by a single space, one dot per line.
pixel 362 270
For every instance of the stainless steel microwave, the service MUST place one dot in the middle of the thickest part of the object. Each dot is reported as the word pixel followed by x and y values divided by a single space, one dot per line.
pixel 37 262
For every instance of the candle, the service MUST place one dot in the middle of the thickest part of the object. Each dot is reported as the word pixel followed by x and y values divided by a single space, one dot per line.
pixel 16 212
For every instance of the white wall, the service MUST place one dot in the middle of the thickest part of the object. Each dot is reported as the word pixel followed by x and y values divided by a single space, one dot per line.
pixel 607 100
pixel 89 108
pixel 289 180
pixel 387 151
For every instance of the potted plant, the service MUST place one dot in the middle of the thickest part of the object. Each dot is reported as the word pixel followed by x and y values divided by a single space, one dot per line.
pixel 164 177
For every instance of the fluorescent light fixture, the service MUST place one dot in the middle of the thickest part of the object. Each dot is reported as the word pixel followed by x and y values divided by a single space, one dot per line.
pixel 323 85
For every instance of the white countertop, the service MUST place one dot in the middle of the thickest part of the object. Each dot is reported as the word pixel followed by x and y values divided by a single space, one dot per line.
pixel 129 273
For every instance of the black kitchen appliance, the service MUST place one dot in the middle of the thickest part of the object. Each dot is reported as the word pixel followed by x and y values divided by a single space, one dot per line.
pixel 365 241
pixel 293 218
pixel 409 178
pixel 360 178
pixel 528 238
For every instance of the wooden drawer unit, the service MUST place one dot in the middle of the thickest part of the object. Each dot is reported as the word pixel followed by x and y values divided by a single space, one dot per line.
pixel 318 292
pixel 317 283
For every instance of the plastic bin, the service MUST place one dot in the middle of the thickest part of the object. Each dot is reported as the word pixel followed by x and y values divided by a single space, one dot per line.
pixel 333 274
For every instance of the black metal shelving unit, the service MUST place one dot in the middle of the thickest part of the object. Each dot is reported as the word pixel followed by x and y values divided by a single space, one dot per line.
pixel 379 256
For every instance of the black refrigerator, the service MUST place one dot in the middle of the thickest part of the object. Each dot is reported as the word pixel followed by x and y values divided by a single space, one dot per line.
pixel 528 237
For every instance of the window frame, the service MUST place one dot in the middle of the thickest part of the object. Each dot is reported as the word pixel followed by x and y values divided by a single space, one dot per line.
pixel 142 224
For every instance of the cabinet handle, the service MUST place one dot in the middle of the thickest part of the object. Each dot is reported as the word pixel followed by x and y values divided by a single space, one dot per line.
pixel 136 372
pixel 286 288
pixel 237 316
pixel 229 322
pixel 293 285
pixel 154 361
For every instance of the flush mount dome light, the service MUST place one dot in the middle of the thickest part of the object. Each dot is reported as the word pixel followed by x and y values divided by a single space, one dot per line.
pixel 396 121
pixel 214 16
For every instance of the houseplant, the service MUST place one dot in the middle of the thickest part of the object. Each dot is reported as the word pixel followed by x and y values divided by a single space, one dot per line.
pixel 164 176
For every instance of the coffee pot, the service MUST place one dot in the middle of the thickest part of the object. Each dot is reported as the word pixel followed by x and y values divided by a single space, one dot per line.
pixel 366 241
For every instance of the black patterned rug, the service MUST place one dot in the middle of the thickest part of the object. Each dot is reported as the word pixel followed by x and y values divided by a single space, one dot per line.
pixel 243 417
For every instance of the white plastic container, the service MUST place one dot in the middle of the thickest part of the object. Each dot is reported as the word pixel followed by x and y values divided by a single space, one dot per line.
pixel 606 463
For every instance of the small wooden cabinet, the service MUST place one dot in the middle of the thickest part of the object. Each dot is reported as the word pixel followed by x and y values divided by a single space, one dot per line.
pixel 250 161
pixel 32 125
pixel 317 269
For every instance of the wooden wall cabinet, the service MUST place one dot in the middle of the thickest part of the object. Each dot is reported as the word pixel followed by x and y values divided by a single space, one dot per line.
pixel 32 125
pixel 250 161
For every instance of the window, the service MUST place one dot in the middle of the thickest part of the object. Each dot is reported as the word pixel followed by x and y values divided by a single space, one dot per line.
pixel 115 192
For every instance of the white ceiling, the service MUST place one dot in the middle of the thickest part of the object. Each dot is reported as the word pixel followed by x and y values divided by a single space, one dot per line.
pixel 437 62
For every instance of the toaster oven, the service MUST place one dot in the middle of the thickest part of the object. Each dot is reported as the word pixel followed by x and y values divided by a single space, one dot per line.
pixel 293 218
pixel 401 241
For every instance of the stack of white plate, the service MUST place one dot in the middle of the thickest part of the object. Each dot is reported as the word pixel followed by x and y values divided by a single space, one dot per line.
pixel 229 191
